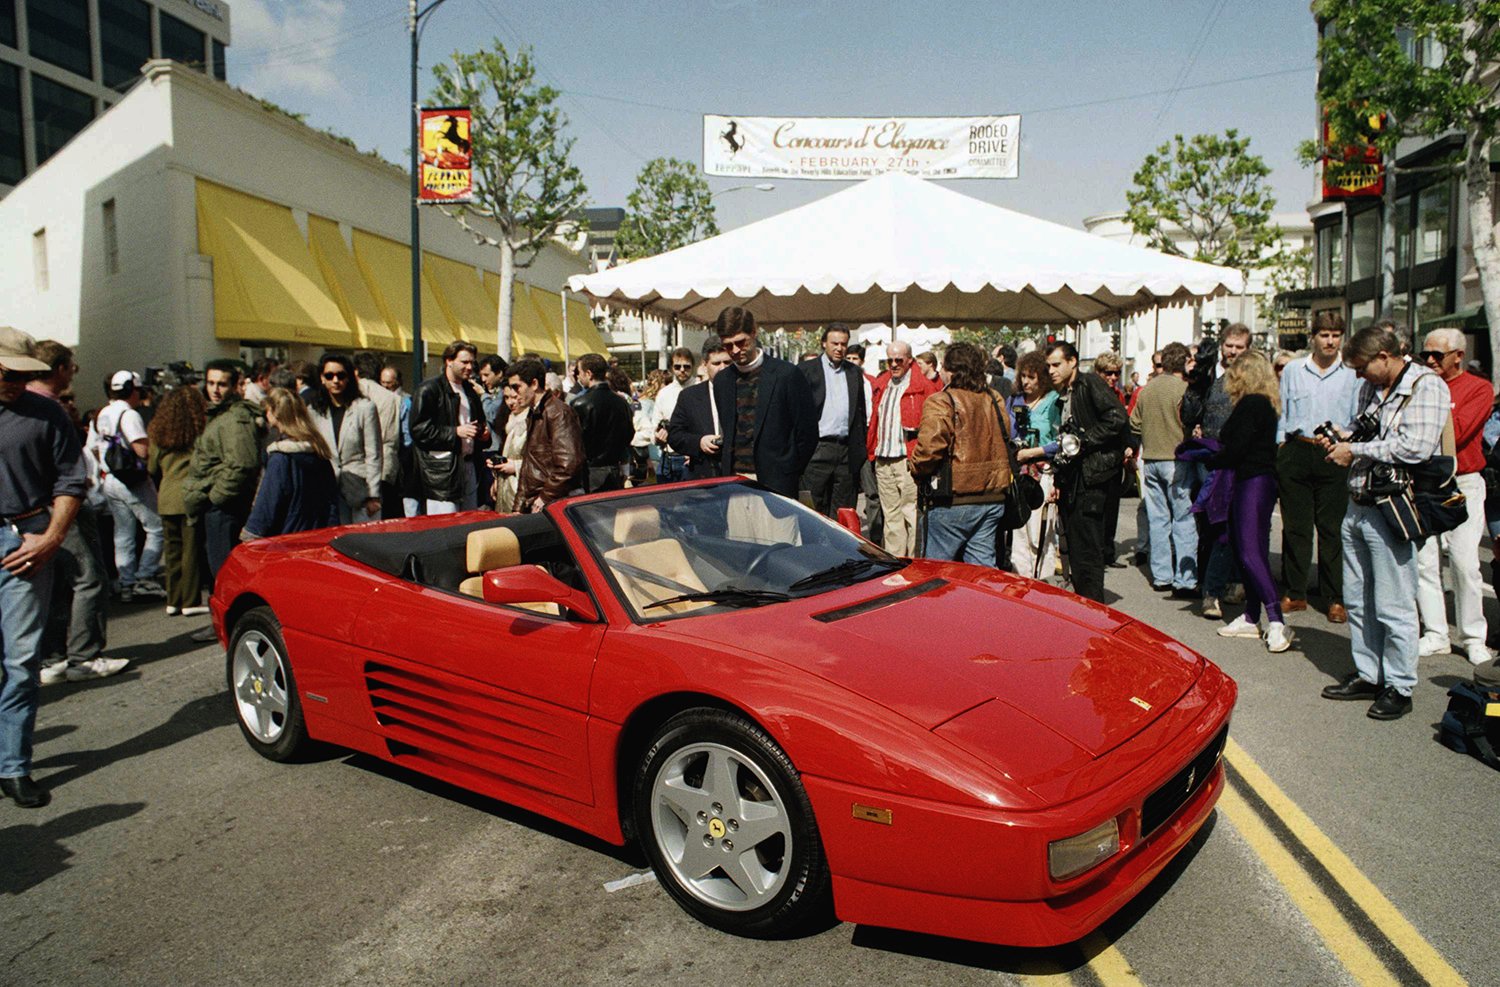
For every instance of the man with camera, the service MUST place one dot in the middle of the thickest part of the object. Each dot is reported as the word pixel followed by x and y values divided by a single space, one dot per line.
pixel 1403 408
pixel 1086 457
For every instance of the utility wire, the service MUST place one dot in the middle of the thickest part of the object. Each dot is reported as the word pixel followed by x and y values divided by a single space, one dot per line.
pixel 1185 72
pixel 286 54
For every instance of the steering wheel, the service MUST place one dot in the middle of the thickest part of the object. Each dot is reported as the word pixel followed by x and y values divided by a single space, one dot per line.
pixel 761 555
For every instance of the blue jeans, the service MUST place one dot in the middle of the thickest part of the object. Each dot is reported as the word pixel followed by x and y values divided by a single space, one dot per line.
pixel 964 533
pixel 23 618
pixel 127 505
pixel 1167 492
pixel 1380 590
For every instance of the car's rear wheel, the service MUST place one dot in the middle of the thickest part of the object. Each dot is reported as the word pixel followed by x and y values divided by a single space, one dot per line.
pixel 728 826
pixel 263 687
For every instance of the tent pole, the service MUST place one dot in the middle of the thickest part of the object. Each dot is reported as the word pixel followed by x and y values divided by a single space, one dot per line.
pixel 1156 333
pixel 893 316
pixel 642 313
pixel 565 327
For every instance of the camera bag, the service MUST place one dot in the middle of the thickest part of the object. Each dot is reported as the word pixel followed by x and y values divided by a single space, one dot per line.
pixel 1471 724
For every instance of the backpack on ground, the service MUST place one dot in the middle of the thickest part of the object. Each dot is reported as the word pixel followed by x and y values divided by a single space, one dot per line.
pixel 1472 723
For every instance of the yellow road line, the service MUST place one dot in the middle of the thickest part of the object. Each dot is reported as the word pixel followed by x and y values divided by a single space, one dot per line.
pixel 1109 964
pixel 1325 917
pixel 1403 935
pixel 1045 975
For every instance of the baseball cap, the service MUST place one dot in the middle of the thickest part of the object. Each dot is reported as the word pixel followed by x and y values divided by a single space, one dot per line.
pixel 123 377
pixel 17 351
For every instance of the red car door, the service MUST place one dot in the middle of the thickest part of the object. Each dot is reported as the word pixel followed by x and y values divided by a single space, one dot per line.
pixel 495 693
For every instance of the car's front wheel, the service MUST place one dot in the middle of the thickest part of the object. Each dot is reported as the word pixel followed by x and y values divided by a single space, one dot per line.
pixel 266 704
pixel 728 827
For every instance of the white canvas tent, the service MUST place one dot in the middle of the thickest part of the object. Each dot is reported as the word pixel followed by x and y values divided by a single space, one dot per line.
pixel 899 249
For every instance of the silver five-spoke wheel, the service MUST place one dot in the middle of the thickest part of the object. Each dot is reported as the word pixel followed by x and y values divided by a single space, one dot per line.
pixel 259 677
pixel 722 827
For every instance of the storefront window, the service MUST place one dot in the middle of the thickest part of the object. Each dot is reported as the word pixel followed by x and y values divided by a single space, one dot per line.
pixel 1401 309
pixel 1432 223
pixel 181 42
pixel 1364 244
pixel 1361 314
pixel 124 39
pixel 12 143
pixel 1403 232
pixel 8 23
pixel 1431 303
pixel 60 113
pixel 220 69
pixel 59 33
pixel 1330 257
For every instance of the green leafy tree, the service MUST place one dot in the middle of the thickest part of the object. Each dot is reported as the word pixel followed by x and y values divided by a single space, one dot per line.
pixel 524 180
pixel 670 207
pixel 1430 67
pixel 1209 193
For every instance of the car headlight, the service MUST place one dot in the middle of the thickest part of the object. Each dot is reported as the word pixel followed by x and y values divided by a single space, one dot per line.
pixel 1076 854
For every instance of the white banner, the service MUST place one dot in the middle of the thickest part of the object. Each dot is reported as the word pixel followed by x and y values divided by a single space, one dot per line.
pixel 861 147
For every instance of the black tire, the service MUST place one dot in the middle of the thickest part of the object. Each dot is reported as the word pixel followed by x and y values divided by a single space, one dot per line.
pixel 780 884
pixel 263 689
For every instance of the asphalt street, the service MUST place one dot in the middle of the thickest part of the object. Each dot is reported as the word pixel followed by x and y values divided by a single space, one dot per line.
pixel 1345 851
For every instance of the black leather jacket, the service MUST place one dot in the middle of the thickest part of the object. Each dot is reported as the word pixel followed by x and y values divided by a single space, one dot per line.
pixel 605 419
pixel 434 424
pixel 1099 420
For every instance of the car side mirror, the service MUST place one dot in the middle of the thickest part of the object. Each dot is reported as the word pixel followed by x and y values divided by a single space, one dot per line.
pixel 849 518
pixel 519 584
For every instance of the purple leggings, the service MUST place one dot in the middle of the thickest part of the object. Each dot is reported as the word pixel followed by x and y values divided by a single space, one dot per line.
pixel 1250 537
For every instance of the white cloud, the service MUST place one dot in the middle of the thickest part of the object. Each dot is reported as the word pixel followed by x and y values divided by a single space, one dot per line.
pixel 288 47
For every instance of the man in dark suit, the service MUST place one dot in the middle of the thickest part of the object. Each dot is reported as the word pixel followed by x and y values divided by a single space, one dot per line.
pixel 766 407
pixel 693 430
pixel 832 476
pixel 605 418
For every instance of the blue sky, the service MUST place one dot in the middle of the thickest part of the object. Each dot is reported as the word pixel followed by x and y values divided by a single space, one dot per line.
pixel 636 76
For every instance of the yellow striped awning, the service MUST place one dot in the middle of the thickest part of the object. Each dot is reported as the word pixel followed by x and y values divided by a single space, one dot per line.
pixel 468 306
pixel 361 311
pixel 583 335
pixel 267 287
pixel 386 267
pixel 528 333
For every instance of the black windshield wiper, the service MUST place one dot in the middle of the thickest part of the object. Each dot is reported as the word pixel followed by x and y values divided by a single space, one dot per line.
pixel 732 596
pixel 849 567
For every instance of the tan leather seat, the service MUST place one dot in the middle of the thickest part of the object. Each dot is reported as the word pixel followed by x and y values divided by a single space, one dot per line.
pixel 663 557
pixel 495 548
pixel 750 520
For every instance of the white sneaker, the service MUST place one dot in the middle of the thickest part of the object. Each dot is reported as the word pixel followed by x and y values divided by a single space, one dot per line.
pixel 1429 646
pixel 1478 653
pixel 173 611
pixel 1211 608
pixel 1239 627
pixel 194 611
pixel 96 668
pixel 1277 638
pixel 54 673
pixel 147 588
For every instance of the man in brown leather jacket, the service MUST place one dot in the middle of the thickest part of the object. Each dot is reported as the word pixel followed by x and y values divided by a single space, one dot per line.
pixel 964 425
pixel 553 463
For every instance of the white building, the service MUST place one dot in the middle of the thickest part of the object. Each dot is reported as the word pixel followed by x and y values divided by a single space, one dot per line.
pixel 1143 334
pixel 191 222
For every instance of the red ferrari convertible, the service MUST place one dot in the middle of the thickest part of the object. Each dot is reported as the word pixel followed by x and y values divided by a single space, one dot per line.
pixel 788 719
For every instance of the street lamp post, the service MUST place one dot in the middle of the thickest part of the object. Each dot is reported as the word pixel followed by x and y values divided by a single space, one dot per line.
pixel 415 19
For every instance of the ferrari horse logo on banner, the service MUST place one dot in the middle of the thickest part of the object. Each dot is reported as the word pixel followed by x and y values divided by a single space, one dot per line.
pixel 447 155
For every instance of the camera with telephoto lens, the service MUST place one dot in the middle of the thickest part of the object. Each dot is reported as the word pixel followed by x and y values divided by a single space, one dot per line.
pixel 1026 436
pixel 1069 443
pixel 1365 428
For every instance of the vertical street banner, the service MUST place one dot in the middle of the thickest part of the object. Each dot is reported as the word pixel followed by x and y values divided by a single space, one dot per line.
pixel 1354 169
pixel 841 148
pixel 447 162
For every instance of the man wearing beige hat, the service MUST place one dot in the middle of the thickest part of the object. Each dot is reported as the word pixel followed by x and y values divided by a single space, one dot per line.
pixel 41 483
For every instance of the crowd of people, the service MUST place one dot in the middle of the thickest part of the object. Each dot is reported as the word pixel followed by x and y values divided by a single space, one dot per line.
pixel 941 449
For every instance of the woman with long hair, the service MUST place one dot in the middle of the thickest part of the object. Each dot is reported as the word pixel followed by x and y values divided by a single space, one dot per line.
pixel 1248 446
pixel 350 427
pixel 1033 552
pixel 963 435
pixel 174 429
pixel 298 491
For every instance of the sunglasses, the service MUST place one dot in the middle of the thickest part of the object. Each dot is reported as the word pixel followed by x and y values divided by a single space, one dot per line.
pixel 1438 355
pixel 336 375
pixel 682 366
pixel 1109 373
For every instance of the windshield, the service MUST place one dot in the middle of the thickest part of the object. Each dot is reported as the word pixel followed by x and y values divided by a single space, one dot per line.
pixel 677 551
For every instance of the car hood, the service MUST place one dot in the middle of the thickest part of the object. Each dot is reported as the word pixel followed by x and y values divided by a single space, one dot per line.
pixel 933 642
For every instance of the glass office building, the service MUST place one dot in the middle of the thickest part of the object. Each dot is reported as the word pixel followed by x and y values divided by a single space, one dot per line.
pixel 64 62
